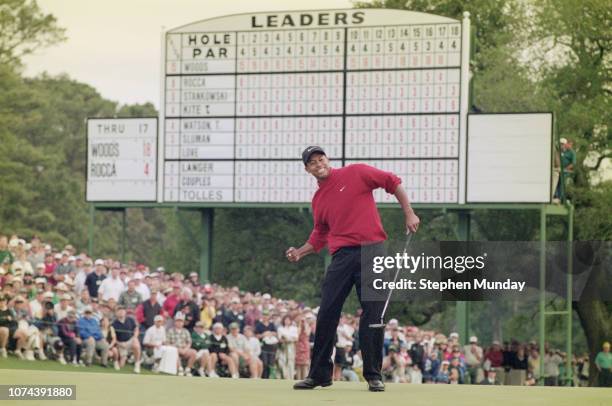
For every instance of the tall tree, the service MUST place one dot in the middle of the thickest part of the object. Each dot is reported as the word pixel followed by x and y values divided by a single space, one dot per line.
pixel 24 28
pixel 571 45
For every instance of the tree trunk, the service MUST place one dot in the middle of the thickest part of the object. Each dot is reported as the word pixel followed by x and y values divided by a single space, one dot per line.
pixel 595 314
pixel 596 322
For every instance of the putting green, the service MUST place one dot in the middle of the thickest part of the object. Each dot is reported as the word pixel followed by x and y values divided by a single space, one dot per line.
pixel 103 389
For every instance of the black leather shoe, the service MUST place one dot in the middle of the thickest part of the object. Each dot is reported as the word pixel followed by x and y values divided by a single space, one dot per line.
pixel 310 383
pixel 376 385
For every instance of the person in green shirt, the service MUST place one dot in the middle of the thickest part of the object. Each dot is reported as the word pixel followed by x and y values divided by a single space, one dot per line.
pixel 199 342
pixel 603 362
pixel 568 161
pixel 5 254
pixel 568 157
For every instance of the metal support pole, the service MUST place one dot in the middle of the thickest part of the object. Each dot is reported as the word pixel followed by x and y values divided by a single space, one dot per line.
pixel 90 239
pixel 462 309
pixel 123 234
pixel 542 326
pixel 206 249
pixel 472 52
pixel 569 296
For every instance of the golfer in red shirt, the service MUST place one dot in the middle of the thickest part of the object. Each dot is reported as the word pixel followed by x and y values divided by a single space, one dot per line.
pixel 345 219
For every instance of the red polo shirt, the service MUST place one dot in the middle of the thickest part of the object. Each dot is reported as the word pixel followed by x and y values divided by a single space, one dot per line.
pixel 344 209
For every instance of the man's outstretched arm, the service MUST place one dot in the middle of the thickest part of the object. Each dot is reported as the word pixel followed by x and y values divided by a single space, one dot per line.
pixel 412 221
pixel 316 241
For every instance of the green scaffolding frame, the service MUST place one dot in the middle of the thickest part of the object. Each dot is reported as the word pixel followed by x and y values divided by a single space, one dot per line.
pixel 463 212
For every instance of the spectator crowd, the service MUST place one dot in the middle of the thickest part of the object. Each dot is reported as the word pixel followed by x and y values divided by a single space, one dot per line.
pixel 63 305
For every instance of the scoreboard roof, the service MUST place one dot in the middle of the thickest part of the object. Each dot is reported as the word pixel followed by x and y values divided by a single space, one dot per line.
pixel 285 20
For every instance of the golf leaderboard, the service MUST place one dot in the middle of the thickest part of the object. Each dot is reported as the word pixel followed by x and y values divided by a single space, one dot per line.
pixel 269 84
pixel 242 95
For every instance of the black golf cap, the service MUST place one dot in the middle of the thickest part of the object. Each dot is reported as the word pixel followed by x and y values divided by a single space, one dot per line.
pixel 308 152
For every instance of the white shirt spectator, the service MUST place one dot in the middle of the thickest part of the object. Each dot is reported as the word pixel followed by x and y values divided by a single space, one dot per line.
pixel 289 334
pixel 79 281
pixel 166 354
pixel 345 335
pixel 429 345
pixel 254 347
pixel 36 309
pixel 473 359
pixel 551 365
pixel 25 267
pixel 144 291
pixel 111 288
pixel 155 336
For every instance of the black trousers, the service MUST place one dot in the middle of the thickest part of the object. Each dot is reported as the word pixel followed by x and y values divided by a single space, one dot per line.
pixel 268 357
pixel 72 349
pixel 605 378
pixel 344 272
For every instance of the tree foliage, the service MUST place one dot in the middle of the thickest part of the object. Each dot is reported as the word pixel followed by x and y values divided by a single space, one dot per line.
pixel 573 41
pixel 25 28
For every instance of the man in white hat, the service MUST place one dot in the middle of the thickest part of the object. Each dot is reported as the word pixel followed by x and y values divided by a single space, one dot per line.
pixel 166 356
pixel 220 352
pixel 17 269
pixel 473 359
pixel 37 303
pixel 141 287
pixel 37 252
pixel 40 269
pixel 61 288
pixel 194 278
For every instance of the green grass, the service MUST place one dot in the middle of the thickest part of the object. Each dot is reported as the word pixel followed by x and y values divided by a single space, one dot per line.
pixel 94 388
pixel 15 363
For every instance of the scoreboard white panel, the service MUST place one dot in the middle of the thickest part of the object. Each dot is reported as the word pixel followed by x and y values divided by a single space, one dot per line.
pixel 121 159
pixel 247 93
pixel 509 157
